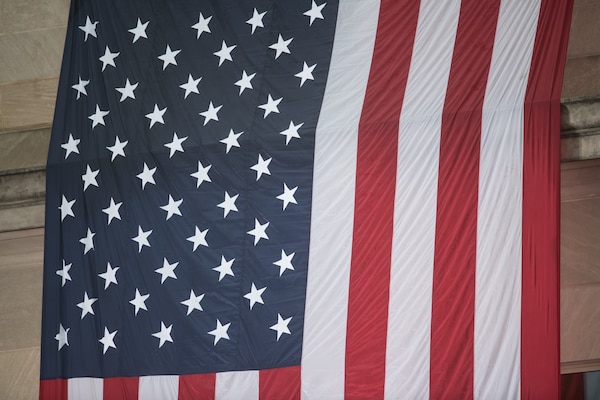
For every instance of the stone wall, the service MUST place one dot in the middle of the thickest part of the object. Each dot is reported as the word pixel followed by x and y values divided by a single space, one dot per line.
pixel 32 36
pixel 582 71
pixel 580 193
pixel 31 43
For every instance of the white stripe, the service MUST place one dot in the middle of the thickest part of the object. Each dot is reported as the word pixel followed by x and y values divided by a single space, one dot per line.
pixel 323 351
pixel 159 387
pixel 236 385
pixel 409 318
pixel 85 389
pixel 499 221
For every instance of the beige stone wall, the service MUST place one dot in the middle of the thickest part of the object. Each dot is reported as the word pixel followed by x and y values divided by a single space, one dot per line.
pixel 580 266
pixel 21 254
pixel 580 194
pixel 32 36
pixel 582 71
pixel 31 43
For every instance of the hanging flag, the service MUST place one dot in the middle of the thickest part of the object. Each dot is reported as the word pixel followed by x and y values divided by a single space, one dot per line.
pixel 316 199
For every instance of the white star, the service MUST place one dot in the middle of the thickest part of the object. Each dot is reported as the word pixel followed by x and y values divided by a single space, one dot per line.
pixel 202 174
pixel 291 132
pixel 228 204
pixel 261 167
pixel 255 295
pixel 89 28
pixel 110 276
pixel 108 58
pixel 112 211
pixel 211 113
pixel 256 20
pixel 281 46
pixel 156 115
pixel 220 332
pixel 108 340
pixel 86 305
pixel 66 208
pixel 142 238
pixel 224 268
pixel 306 73
pixel 193 303
pixel 80 87
pixel 191 86
pixel 259 231
pixel 281 326
pixel 285 262
pixel 139 30
pixel 270 106
pixel 175 145
pixel 287 196
pixel 98 117
pixel 164 335
pixel 147 176
pixel 62 336
pixel 224 53
pixel 202 25
pixel 172 207
pixel 167 270
pixel 127 90
pixel 118 149
pixel 231 140
pixel 314 12
pixel 64 273
pixel 71 146
pixel 169 57
pixel 199 238
pixel 89 178
pixel 244 82
pixel 139 301
pixel 88 241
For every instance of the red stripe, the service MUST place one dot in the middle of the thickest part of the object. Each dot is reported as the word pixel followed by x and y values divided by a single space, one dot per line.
pixel 197 387
pixel 453 297
pixel 121 388
pixel 279 383
pixel 540 328
pixel 374 200
pixel 54 389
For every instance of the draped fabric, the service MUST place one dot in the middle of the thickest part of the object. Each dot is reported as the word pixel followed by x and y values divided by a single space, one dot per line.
pixel 314 200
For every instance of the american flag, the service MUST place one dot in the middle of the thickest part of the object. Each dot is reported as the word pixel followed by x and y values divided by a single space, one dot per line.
pixel 316 199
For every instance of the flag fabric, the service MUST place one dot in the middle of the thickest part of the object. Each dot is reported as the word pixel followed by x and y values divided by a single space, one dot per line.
pixel 305 199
